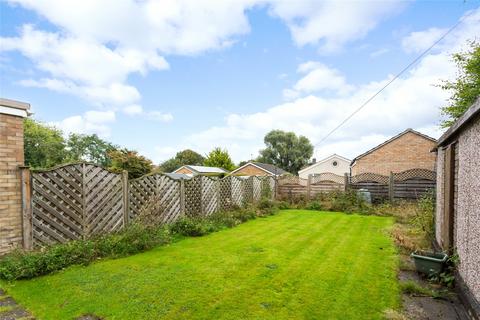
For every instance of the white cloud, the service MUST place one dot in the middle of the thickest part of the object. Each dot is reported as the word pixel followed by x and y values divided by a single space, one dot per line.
pixel 318 77
pixel 92 122
pixel 332 24
pixel 412 101
pixel 379 52
pixel 469 29
pixel 133 110
pixel 159 116
pixel 137 110
pixel 419 41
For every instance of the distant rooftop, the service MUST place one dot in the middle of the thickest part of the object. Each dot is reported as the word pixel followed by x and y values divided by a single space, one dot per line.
pixel 203 169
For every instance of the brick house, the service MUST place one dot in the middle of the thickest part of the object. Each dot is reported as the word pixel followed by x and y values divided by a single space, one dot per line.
pixel 457 217
pixel 201 170
pixel 252 168
pixel 407 150
pixel 11 157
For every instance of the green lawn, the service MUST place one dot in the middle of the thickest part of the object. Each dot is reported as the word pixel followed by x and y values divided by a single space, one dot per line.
pixel 295 265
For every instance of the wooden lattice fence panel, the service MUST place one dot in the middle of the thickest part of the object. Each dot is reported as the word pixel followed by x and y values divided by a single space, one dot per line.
pixel 327 177
pixel 169 198
pixel 413 184
pixel 374 183
pixel 237 190
pixel 225 194
pixel 248 190
pixel 256 188
pixel 292 180
pixel 267 187
pixel 74 202
pixel 104 211
pixel 57 205
pixel 209 195
pixel 141 191
pixel 193 197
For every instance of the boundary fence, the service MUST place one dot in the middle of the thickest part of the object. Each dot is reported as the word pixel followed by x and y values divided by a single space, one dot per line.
pixel 78 201
pixel 406 185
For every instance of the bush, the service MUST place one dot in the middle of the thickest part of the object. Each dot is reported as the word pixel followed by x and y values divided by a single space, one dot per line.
pixel 348 202
pixel 314 205
pixel 135 238
pixel 424 215
pixel 190 227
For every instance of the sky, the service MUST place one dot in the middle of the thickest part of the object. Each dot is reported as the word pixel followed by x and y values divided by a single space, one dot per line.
pixel 163 76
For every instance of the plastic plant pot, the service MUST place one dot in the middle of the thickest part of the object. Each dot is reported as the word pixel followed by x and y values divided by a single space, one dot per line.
pixel 429 263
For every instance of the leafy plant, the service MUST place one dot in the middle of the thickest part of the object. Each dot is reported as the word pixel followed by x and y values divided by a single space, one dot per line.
pixel 286 150
pixel 135 238
pixel 314 205
pixel 219 158
pixel 465 89
pixel 423 219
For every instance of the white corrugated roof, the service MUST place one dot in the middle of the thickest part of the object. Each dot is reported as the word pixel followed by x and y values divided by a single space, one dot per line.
pixel 204 169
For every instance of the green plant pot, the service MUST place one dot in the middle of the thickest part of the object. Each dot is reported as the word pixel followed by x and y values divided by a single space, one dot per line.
pixel 429 263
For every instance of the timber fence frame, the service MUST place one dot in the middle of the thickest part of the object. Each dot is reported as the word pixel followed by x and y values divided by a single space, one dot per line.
pixel 406 185
pixel 82 200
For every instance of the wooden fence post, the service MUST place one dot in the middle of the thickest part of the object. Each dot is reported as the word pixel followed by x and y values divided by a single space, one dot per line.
pixel 345 181
pixel 391 187
pixel 309 187
pixel 202 209
pixel 126 201
pixel 26 208
pixel 182 197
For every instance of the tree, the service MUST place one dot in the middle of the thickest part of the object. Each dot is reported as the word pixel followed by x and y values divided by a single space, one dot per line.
pixel 185 157
pixel 219 158
pixel 89 148
pixel 465 88
pixel 44 145
pixel 286 150
pixel 129 160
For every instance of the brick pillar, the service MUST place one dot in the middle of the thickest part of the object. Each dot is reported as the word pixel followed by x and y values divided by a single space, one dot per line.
pixel 11 158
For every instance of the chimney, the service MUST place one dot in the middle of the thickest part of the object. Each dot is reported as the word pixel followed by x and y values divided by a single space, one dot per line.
pixel 314 160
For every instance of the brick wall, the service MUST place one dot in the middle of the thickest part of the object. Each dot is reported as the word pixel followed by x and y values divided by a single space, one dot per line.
pixel 408 151
pixel 250 170
pixel 184 171
pixel 11 156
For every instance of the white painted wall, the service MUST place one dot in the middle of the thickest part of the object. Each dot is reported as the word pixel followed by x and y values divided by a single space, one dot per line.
pixel 326 165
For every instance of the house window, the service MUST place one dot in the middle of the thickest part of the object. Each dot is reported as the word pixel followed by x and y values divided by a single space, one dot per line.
pixel 334 163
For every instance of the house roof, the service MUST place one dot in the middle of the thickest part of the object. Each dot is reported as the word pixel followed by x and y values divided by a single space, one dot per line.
pixel 458 125
pixel 15 108
pixel 177 176
pixel 325 160
pixel 203 169
pixel 409 130
pixel 269 168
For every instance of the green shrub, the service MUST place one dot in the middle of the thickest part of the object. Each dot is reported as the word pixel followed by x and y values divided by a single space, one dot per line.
pixel 266 207
pixel 135 238
pixel 282 205
pixel 348 202
pixel 314 205
pixel 423 219
pixel 190 227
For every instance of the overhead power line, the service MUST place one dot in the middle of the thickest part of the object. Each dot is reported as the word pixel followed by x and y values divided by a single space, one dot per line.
pixel 394 78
